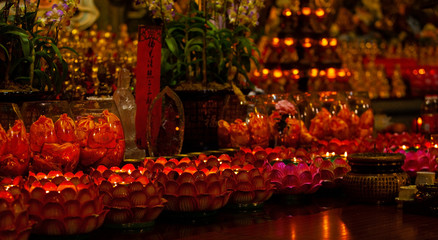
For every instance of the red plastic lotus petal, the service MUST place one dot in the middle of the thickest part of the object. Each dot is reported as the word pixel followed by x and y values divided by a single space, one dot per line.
pixel 88 209
pixel 153 213
pixel 135 186
pixel 153 201
pixel 226 173
pixel 58 180
pixel 171 187
pixel 218 202
pixel 89 224
pixel 106 198
pixel 7 220
pixel 187 204
pixel 172 202
pixel 305 187
pixel 213 177
pixel 143 180
pixel 302 167
pixel 317 178
pixel 138 198
pixel 72 208
pixel 243 176
pixel 53 174
pixel 279 165
pixel 214 188
pixel 120 203
pixel 327 174
pixel 314 188
pixel 201 187
pixel 106 186
pixel 121 191
pixel 262 195
pixel 151 190
pixel 53 210
pixel 277 175
pixel 139 214
pixel 242 197
pixel 305 177
pixel 51 227
pixel 340 162
pixel 244 187
pixel 187 189
pixel 291 181
pixel 204 201
pixel 49 186
pixel 186 177
pixel 22 220
pixel 258 182
pixel 72 225
pixel 326 164
pixel 116 215
pixel 340 172
pixel 230 184
pixel 411 165
pixel 84 195
pixel 35 207
pixel 291 169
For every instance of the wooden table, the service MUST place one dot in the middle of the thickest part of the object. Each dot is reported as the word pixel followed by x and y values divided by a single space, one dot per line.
pixel 312 217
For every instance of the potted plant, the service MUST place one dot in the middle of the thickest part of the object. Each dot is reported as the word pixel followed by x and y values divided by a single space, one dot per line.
pixel 207 52
pixel 30 59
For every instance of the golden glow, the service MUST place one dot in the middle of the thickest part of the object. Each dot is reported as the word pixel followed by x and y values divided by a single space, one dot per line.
pixel 257 73
pixel 265 71
pixel 288 41
pixel 307 43
pixel 306 11
pixel 275 42
pixel 435 146
pixel 278 73
pixel 177 129
pixel 331 73
pixel 419 121
pixel 345 154
pixel 314 72
pixel 295 71
pixel 319 12
pixel 322 73
pixel 287 12
pixel 341 73
pixel 333 42
pixel 421 71
pixel 404 147
pixel 323 42
pixel 325 226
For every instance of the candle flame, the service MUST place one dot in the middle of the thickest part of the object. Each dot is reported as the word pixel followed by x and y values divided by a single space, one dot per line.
pixel 345 154
pixel 327 154
pixel 419 121
pixel 404 147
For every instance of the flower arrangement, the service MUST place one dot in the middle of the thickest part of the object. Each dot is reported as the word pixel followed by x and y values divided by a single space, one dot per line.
pixel 28 44
pixel 207 43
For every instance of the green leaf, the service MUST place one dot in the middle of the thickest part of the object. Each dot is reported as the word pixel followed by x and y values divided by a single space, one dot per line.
pixel 55 48
pixel 172 45
pixel 5 50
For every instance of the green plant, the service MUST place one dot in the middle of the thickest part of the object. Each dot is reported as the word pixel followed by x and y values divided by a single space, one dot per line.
pixel 207 44
pixel 29 56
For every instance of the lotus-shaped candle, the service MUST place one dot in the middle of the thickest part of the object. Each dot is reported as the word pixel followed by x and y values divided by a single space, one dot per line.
pixel 54 146
pixel 250 186
pixel 331 170
pixel 14 218
pixel 63 204
pixel 295 179
pixel 131 197
pixel 188 188
pixel 14 150
pixel 418 160
pixel 102 142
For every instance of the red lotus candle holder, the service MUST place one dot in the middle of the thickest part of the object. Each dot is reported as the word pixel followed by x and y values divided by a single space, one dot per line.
pixel 295 179
pixel 14 150
pixel 102 142
pixel 332 170
pixel 417 160
pixel 14 217
pixel 133 199
pixel 54 146
pixel 63 204
pixel 250 186
pixel 189 188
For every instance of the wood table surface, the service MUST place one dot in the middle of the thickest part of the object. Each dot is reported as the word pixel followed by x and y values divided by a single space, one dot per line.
pixel 310 217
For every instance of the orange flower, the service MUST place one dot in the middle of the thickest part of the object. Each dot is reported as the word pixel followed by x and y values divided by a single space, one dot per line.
pixel 239 134
pixel 259 130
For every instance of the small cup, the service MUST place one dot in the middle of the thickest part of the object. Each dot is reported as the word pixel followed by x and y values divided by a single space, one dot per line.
pixel 407 193
pixel 425 178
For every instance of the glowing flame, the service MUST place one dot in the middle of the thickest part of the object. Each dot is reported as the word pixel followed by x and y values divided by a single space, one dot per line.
pixel 323 42
pixel 288 41
pixel 331 73
pixel 306 11
pixel 307 43
pixel 314 72
pixel 275 42
pixel 333 42
pixel 278 73
pixel 319 12
pixel 287 12
pixel 420 121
